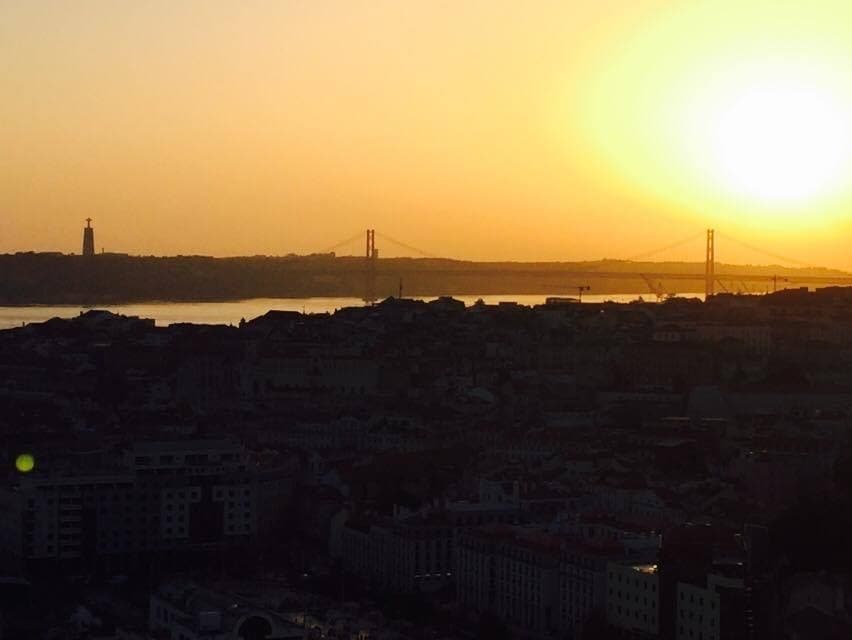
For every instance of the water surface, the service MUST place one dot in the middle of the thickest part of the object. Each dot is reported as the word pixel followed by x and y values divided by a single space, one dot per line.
pixel 166 313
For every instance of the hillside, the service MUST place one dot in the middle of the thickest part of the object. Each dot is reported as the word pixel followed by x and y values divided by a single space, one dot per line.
pixel 51 278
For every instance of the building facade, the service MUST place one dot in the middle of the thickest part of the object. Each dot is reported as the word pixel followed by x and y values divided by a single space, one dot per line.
pixel 633 599
pixel 153 497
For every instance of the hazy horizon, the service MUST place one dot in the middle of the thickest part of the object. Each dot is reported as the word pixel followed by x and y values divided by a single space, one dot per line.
pixel 720 264
pixel 492 131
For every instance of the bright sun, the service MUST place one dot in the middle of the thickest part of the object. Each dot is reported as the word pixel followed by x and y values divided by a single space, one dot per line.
pixel 729 112
pixel 780 141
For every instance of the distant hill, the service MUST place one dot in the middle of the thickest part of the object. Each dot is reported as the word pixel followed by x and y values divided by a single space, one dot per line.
pixel 52 278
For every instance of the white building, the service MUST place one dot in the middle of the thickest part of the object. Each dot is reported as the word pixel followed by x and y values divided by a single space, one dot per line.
pixel 697 613
pixel 513 573
pixel 633 598
pixel 583 583
pixel 402 556
pixel 151 497
pixel 701 613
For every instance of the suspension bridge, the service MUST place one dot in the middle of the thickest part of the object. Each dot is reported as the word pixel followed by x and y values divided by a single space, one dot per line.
pixel 714 281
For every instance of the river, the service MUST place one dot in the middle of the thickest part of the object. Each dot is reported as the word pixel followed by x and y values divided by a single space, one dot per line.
pixel 166 313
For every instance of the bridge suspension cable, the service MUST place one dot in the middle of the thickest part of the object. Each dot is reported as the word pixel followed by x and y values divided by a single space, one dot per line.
pixel 399 243
pixel 769 254
pixel 357 236
pixel 668 247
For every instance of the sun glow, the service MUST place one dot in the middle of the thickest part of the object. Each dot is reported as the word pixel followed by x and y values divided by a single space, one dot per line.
pixel 780 140
pixel 738 117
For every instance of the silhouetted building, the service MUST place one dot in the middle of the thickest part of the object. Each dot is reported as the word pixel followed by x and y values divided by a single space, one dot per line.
pixel 88 239
pixel 189 611
pixel 633 603
pixel 179 496
pixel 574 471
pixel 513 573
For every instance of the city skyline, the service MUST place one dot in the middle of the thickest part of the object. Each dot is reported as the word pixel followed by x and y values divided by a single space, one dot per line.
pixel 426 320
pixel 481 131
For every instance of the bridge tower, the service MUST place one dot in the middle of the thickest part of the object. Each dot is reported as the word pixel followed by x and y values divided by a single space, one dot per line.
pixel 710 265
pixel 371 257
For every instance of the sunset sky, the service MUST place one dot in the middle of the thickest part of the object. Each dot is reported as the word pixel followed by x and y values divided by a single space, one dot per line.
pixel 472 129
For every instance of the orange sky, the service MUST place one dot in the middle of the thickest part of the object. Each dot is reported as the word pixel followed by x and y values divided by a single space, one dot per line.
pixel 477 129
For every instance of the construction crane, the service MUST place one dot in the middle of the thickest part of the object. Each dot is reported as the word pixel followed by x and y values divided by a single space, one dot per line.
pixel 656 288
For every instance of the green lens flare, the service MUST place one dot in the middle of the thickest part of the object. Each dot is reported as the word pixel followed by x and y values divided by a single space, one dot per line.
pixel 25 463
